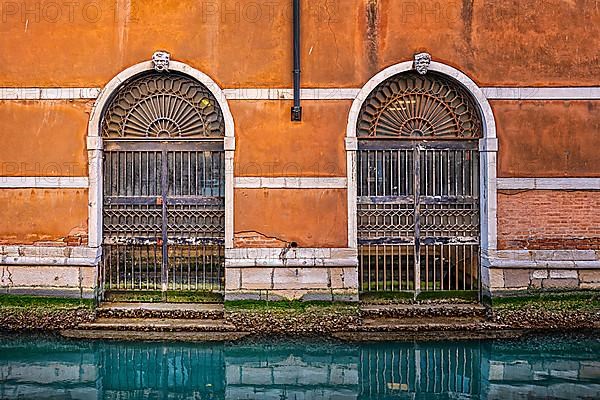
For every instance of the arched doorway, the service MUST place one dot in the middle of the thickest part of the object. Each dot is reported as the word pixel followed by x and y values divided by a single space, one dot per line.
pixel 163 186
pixel 418 185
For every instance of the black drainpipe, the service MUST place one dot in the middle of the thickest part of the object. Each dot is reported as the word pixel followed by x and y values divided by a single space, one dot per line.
pixel 296 109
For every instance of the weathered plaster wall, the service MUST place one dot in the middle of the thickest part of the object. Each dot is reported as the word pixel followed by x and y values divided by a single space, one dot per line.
pixel 43 138
pixel 548 138
pixel 247 43
pixel 268 144
pixel 277 217
pixel 43 215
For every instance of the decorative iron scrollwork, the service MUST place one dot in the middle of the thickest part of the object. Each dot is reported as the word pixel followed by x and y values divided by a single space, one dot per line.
pixel 415 106
pixel 158 105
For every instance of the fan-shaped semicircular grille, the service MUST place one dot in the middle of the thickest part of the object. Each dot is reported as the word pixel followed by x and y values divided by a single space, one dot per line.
pixel 158 105
pixel 414 106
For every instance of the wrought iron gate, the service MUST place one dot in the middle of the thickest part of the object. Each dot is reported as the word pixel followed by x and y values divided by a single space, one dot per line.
pixel 164 188
pixel 418 216
pixel 418 187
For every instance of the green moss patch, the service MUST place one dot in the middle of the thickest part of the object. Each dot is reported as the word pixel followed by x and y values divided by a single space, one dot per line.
pixel 550 301
pixel 37 302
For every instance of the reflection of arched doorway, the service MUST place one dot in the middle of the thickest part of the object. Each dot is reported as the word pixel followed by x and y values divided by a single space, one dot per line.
pixel 417 174
pixel 163 186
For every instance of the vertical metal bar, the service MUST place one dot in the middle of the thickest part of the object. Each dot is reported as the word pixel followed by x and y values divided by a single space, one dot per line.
pixel 147 267
pixel 417 222
pixel 140 249
pixel 377 267
pixel 385 251
pixel 427 268
pixel 370 277
pixel 203 266
pixel 393 261
pixel 196 267
pixel 456 271
pixel 155 264
pixel 165 254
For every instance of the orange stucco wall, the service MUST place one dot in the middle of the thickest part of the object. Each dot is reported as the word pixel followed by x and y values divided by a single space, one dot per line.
pixel 43 138
pixel 274 217
pixel 43 215
pixel 268 144
pixel 548 138
pixel 247 43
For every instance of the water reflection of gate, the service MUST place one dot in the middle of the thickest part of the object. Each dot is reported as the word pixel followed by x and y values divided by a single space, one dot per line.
pixel 407 369
pixel 36 368
pixel 133 371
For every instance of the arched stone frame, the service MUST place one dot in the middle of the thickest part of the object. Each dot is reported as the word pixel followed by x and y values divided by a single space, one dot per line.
pixel 95 146
pixel 488 149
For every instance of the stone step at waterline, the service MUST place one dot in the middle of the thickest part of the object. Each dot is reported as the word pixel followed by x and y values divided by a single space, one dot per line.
pixel 422 310
pixel 185 336
pixel 429 324
pixel 161 310
pixel 158 325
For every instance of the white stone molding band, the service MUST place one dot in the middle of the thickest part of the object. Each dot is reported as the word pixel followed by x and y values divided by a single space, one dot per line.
pixel 48 93
pixel 49 255
pixel 44 182
pixel 545 259
pixel 549 183
pixel 542 93
pixel 491 93
pixel 82 182
pixel 298 257
pixel 291 183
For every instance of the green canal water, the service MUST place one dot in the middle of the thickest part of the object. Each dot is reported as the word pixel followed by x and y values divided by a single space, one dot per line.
pixel 538 367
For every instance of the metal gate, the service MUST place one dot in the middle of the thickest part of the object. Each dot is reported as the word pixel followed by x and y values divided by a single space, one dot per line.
pixel 418 216
pixel 164 188
pixel 418 187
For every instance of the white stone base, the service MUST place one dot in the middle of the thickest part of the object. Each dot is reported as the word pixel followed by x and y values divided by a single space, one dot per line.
pixel 44 280
pixel 291 274
pixel 291 283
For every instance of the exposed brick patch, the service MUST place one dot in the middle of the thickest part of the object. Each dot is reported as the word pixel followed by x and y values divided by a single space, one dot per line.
pixel 548 219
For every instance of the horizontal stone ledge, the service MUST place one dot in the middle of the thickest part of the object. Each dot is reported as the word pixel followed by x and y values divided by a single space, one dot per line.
pixel 50 251
pixel 532 264
pixel 50 261
pixel 291 253
pixel 300 263
pixel 283 294
pixel 548 183
pixel 291 183
pixel 542 93
pixel 48 93
pixel 44 182
pixel 492 93
pixel 548 255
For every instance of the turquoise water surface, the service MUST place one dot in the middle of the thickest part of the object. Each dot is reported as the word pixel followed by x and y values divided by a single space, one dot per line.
pixel 539 367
